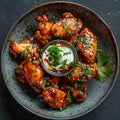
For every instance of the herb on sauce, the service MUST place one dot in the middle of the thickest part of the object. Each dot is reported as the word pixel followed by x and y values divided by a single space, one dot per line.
pixel 54 55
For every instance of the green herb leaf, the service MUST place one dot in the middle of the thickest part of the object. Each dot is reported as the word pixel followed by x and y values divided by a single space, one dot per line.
pixel 104 66
pixel 69 99
pixel 68 31
pixel 30 28
pixel 12 39
pixel 53 19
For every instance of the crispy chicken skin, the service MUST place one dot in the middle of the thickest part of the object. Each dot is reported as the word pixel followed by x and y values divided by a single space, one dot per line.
pixel 55 97
pixel 84 72
pixel 80 91
pixel 67 26
pixel 43 33
pixel 22 48
pixel 31 73
pixel 54 79
pixel 87 44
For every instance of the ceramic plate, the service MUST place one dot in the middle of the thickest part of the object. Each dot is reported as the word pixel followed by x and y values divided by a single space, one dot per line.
pixel 97 90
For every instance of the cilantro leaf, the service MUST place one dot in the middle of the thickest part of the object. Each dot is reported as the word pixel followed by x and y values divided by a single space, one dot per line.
pixel 104 66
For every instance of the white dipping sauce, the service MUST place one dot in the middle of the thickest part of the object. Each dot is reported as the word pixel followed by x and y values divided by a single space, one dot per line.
pixel 66 53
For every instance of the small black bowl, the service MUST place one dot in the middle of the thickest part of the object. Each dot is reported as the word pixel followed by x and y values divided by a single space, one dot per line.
pixel 57 73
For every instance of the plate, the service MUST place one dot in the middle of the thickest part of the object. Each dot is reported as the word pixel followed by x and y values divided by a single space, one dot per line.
pixel 97 92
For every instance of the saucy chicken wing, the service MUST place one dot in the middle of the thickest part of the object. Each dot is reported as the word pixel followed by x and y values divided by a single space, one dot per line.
pixel 31 73
pixel 43 33
pixel 87 44
pixel 23 48
pixel 67 26
pixel 84 72
pixel 55 97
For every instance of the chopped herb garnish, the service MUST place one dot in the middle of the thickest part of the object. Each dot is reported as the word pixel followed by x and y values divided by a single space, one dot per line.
pixel 63 65
pixel 61 108
pixel 72 64
pixel 53 19
pixel 74 42
pixel 34 62
pixel 77 24
pixel 32 40
pixel 14 77
pixel 69 99
pixel 47 84
pixel 79 63
pixel 77 49
pixel 38 51
pixel 78 86
pixel 20 69
pixel 68 31
pixel 66 53
pixel 25 37
pixel 86 71
pixel 86 41
pixel 30 28
pixel 12 39
pixel 46 41
pixel 54 55
pixel 40 60
pixel 39 37
pixel 69 89
pixel 57 35
pixel 81 93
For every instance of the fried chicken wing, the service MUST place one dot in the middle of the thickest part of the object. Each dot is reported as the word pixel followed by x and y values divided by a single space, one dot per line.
pixel 80 91
pixel 23 48
pixel 84 72
pixel 67 26
pixel 87 44
pixel 55 97
pixel 43 33
pixel 31 73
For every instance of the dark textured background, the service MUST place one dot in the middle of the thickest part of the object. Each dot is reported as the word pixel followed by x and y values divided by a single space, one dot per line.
pixel 11 10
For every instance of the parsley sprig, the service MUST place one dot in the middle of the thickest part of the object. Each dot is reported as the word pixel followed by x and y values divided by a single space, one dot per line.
pixel 104 66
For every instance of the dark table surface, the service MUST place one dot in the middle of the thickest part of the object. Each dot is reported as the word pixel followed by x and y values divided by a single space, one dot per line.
pixel 11 10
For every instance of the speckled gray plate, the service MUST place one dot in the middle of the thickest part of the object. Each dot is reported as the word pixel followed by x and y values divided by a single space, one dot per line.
pixel 97 90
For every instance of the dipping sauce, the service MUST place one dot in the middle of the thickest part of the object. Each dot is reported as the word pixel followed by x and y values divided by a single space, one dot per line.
pixel 58 57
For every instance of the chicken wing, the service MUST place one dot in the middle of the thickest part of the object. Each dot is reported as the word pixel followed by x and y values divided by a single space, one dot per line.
pixel 43 33
pixel 55 97
pixel 23 48
pixel 87 44
pixel 83 72
pixel 67 26
pixel 30 72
